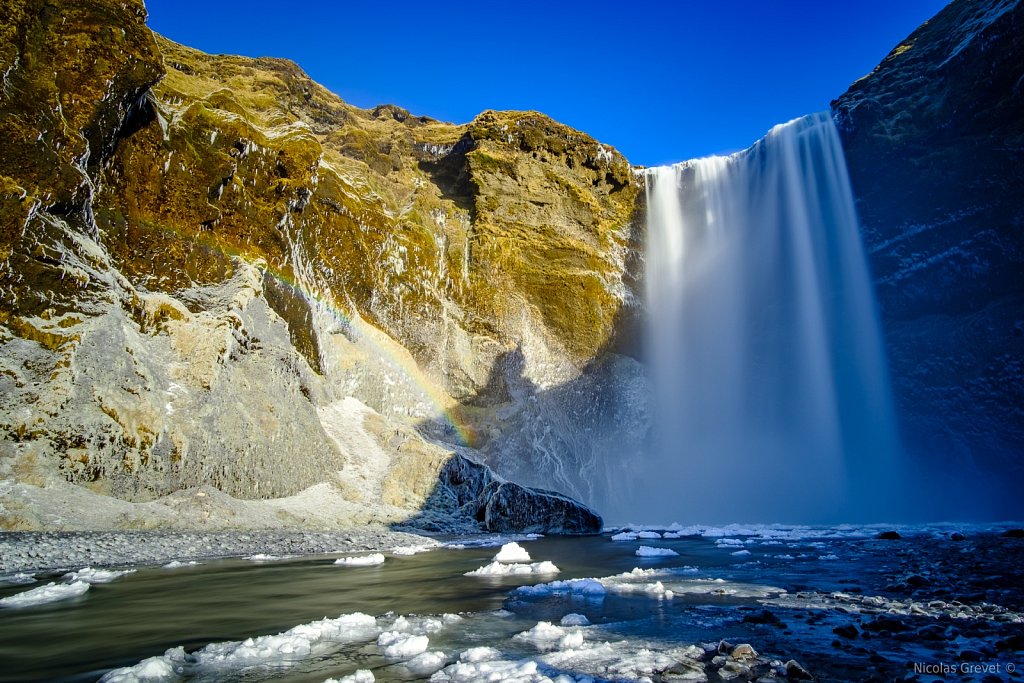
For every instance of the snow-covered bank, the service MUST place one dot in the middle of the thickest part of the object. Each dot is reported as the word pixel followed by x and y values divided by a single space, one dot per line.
pixel 41 551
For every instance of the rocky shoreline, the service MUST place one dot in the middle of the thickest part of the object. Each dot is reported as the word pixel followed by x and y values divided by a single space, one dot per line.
pixel 43 552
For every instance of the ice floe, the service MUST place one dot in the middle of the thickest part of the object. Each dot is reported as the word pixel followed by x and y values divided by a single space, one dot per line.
pixel 18 579
pixel 649 551
pixel 574 619
pixel 514 569
pixel 177 564
pixel 261 557
pixel 361 560
pixel 401 645
pixel 512 552
pixel 284 649
pixel 360 676
pixel 90 575
pixel 51 592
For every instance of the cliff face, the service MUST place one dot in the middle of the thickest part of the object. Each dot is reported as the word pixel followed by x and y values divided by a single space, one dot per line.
pixel 934 139
pixel 215 272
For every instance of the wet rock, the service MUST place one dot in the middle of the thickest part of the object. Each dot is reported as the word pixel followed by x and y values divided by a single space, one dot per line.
pixel 957 536
pixel 795 671
pixel 743 651
pixel 889 536
pixel 505 507
pixel 848 631
pixel 1013 533
pixel 764 617
pixel 885 623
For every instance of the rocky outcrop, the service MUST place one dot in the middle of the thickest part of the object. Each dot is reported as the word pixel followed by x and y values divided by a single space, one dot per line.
pixel 503 506
pixel 934 139
pixel 216 273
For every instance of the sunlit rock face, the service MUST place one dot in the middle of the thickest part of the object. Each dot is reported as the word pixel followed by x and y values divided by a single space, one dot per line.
pixel 205 259
pixel 934 139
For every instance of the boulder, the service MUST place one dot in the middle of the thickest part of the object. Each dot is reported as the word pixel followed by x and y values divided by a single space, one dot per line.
pixel 505 507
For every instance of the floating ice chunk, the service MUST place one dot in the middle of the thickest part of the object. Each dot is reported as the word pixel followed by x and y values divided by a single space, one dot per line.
pixel 399 645
pixel 361 560
pixel 414 549
pixel 177 564
pixel 830 556
pixel 360 676
pixel 648 551
pixel 494 671
pixel 785 556
pixel 586 587
pixel 648 534
pixel 625 536
pixel 479 654
pixel 741 553
pixel 51 592
pixel 19 579
pixel 728 542
pixel 512 552
pixel 575 620
pixel 152 669
pixel 90 575
pixel 547 636
pixel 284 649
pixel 260 557
pixel 500 569
pixel 427 663
pixel 671 534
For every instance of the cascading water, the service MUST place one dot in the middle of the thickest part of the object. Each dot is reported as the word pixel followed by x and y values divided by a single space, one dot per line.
pixel 772 398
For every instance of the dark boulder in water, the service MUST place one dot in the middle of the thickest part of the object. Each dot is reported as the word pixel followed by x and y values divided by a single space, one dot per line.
pixel 889 536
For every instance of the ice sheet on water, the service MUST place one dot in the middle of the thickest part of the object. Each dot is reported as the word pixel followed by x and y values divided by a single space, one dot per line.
pixel 741 553
pixel 514 569
pixel 586 587
pixel 51 592
pixel 360 676
pixel 261 557
pixel 284 649
pixel 625 536
pixel 658 583
pixel 177 564
pixel 486 541
pixel 18 579
pixel 415 549
pixel 648 534
pixel 90 575
pixel 361 560
pixel 649 551
pixel 512 552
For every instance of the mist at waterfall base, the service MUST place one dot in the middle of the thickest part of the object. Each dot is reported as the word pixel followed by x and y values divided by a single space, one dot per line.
pixel 771 392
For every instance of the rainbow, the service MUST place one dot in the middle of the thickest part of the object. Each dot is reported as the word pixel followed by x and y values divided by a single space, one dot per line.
pixel 445 408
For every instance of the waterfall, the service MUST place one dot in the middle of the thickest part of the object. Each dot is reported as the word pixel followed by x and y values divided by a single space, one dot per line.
pixel 772 399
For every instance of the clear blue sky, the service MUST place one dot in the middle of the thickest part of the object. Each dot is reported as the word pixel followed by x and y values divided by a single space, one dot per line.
pixel 661 81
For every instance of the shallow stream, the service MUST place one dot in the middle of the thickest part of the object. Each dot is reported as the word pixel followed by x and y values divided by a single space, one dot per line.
pixel 782 590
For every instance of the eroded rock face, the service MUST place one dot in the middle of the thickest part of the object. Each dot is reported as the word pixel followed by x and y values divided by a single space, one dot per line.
pixel 505 507
pixel 934 139
pixel 207 259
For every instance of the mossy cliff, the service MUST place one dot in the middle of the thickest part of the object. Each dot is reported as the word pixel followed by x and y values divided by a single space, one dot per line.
pixel 202 258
